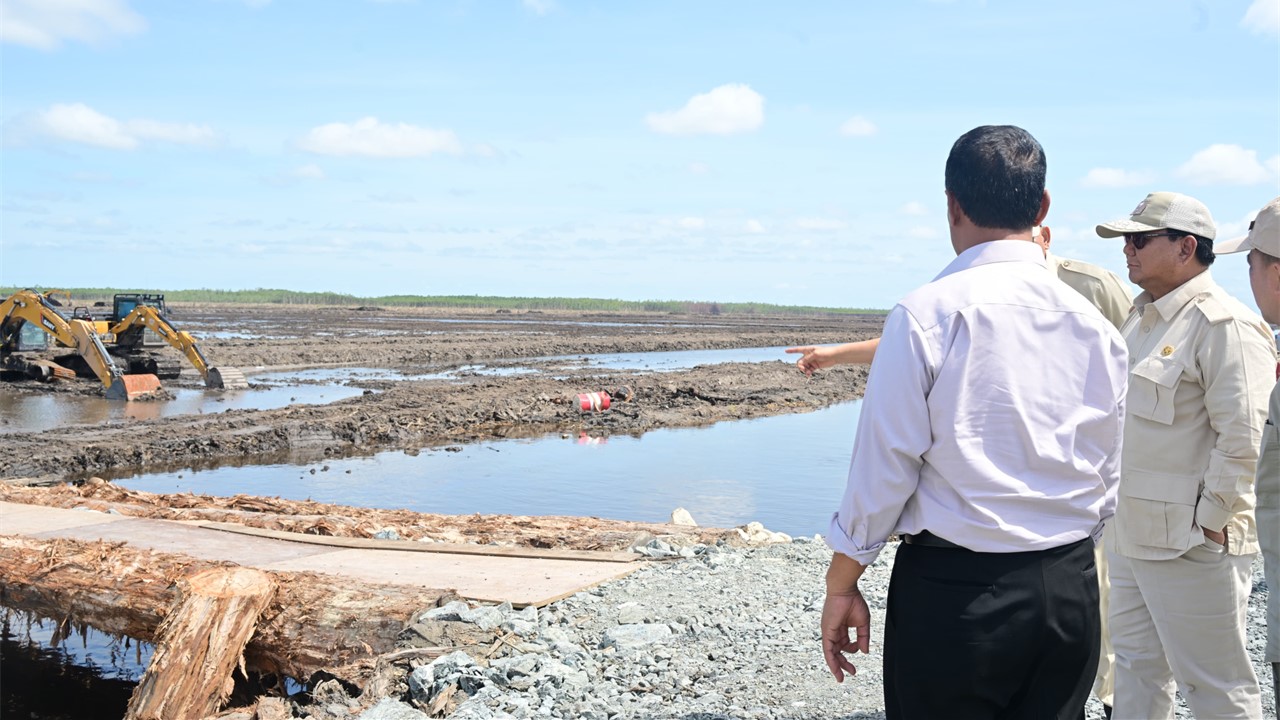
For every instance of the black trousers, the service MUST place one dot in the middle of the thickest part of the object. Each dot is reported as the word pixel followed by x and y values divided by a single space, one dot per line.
pixel 1011 636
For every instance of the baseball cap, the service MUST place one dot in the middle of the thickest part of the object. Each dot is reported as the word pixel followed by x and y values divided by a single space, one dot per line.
pixel 1161 211
pixel 1264 233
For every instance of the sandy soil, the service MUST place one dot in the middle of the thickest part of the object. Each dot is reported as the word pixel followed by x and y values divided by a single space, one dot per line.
pixel 416 414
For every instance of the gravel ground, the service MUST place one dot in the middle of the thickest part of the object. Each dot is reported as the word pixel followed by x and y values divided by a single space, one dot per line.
pixel 717 633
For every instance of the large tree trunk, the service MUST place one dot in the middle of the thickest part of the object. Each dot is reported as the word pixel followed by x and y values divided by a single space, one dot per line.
pixel 200 645
pixel 314 622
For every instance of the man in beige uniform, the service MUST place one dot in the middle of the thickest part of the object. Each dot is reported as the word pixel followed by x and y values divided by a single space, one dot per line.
pixel 1183 537
pixel 1263 245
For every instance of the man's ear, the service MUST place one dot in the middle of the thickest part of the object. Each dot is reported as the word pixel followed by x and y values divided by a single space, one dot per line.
pixel 1187 250
pixel 954 213
pixel 1044 209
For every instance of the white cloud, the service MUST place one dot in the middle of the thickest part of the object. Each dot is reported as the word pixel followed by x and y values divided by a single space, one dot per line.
pixel 755 227
pixel 922 232
pixel 45 24
pixel 79 123
pixel 692 223
pixel 1117 178
pixel 1224 165
pixel 726 110
pixel 371 138
pixel 82 124
pixel 310 171
pixel 1273 164
pixel 698 168
pixel 539 7
pixel 819 223
pixel 1262 18
pixel 858 126
pixel 183 134
pixel 914 209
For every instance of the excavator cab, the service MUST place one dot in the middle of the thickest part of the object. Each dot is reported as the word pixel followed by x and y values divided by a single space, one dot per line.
pixel 123 303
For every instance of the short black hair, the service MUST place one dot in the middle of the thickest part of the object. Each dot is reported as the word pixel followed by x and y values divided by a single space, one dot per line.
pixel 996 174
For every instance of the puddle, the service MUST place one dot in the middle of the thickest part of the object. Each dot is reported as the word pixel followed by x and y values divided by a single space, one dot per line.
pixel 54 673
pixel 677 359
pixel 787 472
pixel 33 413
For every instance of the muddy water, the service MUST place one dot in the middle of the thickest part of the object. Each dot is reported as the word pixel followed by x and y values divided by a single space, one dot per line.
pixel 786 472
pixel 33 413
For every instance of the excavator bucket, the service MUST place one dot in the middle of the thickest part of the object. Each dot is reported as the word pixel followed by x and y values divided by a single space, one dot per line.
pixel 131 387
pixel 227 378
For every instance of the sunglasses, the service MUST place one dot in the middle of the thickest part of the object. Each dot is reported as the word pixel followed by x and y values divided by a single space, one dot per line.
pixel 1140 240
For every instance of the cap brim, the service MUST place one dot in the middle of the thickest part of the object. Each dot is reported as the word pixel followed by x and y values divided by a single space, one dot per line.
pixel 1234 245
pixel 1116 228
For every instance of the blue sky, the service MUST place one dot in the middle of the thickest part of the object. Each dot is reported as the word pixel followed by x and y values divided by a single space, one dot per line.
pixel 714 150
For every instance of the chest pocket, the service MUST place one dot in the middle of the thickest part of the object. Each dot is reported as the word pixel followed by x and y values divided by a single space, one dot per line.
pixel 1152 385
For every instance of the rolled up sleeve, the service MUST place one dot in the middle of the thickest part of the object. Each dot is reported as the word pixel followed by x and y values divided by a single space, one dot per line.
pixel 893 434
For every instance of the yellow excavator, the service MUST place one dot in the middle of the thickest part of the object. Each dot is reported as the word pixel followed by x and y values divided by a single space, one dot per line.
pixel 133 314
pixel 28 309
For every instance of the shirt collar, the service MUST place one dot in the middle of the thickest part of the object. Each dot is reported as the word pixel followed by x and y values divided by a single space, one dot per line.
pixel 995 251
pixel 1170 304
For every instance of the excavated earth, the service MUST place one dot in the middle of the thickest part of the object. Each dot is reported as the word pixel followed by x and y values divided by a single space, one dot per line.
pixel 535 397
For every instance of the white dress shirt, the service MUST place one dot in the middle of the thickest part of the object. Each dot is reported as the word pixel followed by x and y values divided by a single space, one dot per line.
pixel 992 415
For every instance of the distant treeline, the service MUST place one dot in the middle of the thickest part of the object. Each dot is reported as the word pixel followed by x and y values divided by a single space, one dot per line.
pixel 290 297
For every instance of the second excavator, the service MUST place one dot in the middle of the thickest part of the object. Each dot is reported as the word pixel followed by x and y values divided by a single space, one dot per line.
pixel 125 335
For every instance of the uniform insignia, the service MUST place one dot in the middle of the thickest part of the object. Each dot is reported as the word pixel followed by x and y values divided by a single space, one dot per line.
pixel 1167 351
pixel 1142 207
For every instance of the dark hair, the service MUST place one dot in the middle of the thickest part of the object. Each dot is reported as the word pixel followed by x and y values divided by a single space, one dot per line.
pixel 996 174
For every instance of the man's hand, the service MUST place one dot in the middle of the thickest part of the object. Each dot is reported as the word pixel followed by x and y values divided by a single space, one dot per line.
pixel 812 358
pixel 1218 536
pixel 839 613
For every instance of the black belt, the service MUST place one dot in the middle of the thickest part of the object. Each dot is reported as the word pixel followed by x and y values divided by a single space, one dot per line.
pixel 928 539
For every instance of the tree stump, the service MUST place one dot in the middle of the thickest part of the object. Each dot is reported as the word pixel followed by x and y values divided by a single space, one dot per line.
pixel 200 644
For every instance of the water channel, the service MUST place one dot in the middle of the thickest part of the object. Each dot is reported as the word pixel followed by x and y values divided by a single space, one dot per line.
pixel 785 471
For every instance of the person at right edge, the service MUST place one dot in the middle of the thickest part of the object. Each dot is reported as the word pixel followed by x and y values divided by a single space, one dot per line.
pixel 1183 539
pixel 1263 245
pixel 989 441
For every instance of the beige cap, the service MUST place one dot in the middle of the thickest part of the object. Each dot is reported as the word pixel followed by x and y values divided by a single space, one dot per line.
pixel 1263 235
pixel 1161 211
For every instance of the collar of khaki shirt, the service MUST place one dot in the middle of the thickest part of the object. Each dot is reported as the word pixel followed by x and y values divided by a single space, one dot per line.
pixel 1169 305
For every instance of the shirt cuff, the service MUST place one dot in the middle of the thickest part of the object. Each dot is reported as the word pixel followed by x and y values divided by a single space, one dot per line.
pixel 1210 516
pixel 840 542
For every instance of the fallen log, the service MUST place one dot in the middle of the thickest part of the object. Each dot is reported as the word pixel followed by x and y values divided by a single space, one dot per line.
pixel 200 645
pixel 314 622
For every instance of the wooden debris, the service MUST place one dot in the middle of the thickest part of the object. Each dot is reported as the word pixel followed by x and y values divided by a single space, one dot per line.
pixel 315 622
pixel 200 645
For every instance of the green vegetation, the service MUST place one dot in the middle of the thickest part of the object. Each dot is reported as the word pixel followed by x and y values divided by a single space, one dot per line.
pixel 87 296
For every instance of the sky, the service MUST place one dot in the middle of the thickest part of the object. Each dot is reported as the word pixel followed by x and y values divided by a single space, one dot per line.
pixel 719 150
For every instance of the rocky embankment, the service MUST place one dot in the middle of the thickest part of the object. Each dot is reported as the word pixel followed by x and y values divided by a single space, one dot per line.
pixel 717 632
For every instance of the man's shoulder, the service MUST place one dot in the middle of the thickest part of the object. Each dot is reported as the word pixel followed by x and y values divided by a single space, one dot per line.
pixel 1080 267
pixel 1218 306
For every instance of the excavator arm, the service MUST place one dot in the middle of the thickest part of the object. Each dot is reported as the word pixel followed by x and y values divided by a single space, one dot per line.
pixel 128 332
pixel 27 306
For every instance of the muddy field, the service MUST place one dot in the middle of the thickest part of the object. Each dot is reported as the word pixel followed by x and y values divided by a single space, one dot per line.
pixel 433 413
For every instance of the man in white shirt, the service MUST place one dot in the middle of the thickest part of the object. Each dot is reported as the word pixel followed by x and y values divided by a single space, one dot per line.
pixel 998 481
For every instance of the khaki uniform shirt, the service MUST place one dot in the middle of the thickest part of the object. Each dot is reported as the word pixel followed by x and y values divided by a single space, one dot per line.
pixel 1202 367
pixel 1098 285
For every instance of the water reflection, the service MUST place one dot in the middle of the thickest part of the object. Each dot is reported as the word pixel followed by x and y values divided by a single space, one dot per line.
pixel 35 412
pixel 55 673
pixel 786 471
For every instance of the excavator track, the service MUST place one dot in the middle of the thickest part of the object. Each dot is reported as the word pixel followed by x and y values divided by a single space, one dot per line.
pixel 145 363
